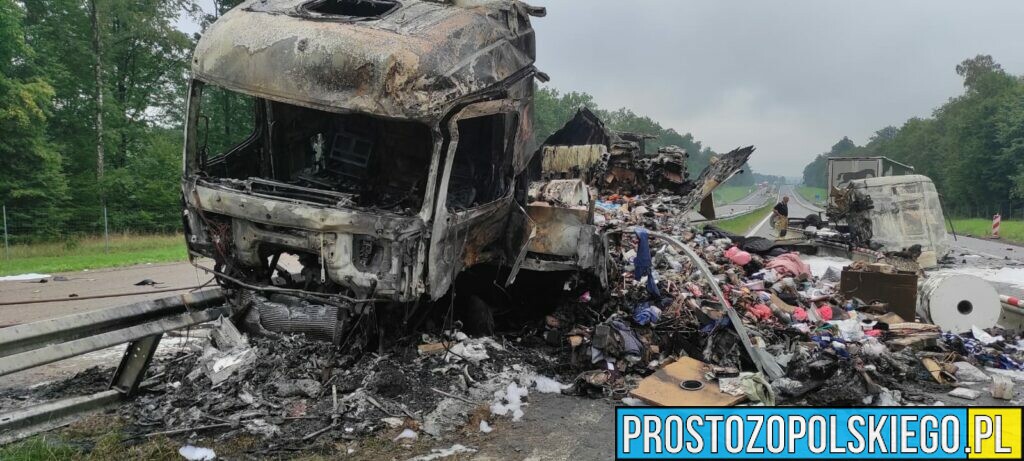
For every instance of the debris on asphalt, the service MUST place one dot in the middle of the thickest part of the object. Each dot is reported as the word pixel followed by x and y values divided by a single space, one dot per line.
pixel 439 453
pixel 970 373
pixel 1002 388
pixel 965 393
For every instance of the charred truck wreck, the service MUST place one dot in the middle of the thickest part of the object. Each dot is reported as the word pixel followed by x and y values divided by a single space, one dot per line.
pixel 387 146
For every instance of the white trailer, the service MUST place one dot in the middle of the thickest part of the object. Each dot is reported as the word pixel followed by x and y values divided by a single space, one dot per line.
pixel 842 170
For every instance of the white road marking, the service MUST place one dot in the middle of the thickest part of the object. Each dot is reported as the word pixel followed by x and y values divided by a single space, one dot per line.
pixel 765 220
pixel 796 196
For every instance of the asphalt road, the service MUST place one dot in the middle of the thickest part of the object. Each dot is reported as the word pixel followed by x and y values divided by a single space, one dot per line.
pixel 798 208
pixel 83 284
pixel 748 203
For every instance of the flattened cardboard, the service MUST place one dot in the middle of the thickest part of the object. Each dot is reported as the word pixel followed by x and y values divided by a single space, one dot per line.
pixel 662 388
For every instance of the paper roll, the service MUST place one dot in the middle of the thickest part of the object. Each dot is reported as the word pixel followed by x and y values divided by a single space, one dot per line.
pixel 956 302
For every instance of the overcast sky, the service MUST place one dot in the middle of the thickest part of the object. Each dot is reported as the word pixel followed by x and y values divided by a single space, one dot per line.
pixel 790 77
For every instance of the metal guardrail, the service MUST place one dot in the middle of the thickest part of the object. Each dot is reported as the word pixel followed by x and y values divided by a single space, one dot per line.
pixel 767 199
pixel 141 325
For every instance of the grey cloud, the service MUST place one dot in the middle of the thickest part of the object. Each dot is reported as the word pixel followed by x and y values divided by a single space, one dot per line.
pixel 790 77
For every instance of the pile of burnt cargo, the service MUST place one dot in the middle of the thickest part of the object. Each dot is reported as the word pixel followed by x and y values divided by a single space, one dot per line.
pixel 744 319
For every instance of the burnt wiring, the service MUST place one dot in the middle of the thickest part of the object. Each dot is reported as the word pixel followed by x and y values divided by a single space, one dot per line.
pixel 314 296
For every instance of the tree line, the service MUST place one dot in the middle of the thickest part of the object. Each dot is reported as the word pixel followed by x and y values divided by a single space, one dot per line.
pixel 972 146
pixel 91 103
pixel 92 95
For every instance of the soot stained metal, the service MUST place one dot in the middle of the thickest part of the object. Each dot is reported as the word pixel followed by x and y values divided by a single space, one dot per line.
pixel 364 154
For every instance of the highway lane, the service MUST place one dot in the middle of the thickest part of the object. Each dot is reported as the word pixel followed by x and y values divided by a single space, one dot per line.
pixel 751 202
pixel 798 208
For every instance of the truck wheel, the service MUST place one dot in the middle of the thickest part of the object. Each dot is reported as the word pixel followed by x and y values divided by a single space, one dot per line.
pixel 478 318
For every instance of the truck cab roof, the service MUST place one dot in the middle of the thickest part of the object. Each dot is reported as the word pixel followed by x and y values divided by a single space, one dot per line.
pixel 407 59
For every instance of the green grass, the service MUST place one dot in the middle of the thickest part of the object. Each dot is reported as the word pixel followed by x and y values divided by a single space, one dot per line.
pixel 94 438
pixel 1011 231
pixel 729 194
pixel 41 448
pixel 91 253
pixel 808 193
pixel 742 224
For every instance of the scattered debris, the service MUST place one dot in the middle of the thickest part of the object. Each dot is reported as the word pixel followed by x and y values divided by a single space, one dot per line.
pixel 1002 388
pixel 547 385
pixel 970 373
pixel 193 453
pixel 33 277
pixel 439 453
pixel 965 393
pixel 407 434
pixel 509 401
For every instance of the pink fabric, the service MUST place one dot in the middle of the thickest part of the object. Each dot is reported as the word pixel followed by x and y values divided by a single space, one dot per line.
pixel 740 258
pixel 788 265
pixel 825 311
pixel 874 333
pixel 799 314
pixel 761 311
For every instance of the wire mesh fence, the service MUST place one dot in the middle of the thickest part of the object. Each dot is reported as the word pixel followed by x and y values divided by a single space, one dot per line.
pixel 71 227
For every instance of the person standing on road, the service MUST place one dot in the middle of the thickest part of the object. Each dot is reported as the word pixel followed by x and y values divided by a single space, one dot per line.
pixel 780 215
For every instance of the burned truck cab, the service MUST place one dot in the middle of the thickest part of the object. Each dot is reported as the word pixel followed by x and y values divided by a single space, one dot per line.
pixel 380 143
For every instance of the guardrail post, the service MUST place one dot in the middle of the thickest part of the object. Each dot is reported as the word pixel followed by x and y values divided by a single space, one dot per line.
pixel 7 248
pixel 106 231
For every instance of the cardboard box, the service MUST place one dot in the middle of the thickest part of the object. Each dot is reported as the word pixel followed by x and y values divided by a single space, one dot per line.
pixel 898 290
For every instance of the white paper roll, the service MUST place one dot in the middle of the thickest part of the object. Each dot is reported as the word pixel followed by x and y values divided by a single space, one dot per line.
pixel 955 302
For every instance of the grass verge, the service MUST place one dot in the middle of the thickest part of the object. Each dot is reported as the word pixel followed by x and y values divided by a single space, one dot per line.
pixel 40 448
pixel 1010 231
pixel 730 194
pixel 742 224
pixel 96 438
pixel 103 437
pixel 92 253
pixel 809 193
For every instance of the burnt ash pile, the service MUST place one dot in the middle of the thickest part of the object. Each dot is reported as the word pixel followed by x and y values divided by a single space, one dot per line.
pixel 85 382
pixel 292 391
